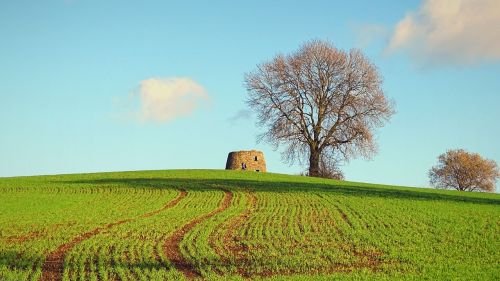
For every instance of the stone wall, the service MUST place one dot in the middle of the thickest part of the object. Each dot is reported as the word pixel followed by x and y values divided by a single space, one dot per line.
pixel 253 159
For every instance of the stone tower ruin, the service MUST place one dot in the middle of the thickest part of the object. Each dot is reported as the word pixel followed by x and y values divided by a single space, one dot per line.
pixel 253 160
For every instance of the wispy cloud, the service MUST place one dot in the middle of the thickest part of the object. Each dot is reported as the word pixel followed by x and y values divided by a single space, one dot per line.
pixel 242 114
pixel 366 34
pixel 164 99
pixel 450 32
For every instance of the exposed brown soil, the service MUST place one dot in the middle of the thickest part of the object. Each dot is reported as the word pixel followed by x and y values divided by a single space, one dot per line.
pixel 232 248
pixel 53 266
pixel 232 242
pixel 36 234
pixel 22 238
pixel 366 260
pixel 344 216
pixel 172 249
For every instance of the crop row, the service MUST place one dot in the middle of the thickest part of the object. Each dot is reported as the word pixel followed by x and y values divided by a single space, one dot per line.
pixel 54 218
pixel 235 229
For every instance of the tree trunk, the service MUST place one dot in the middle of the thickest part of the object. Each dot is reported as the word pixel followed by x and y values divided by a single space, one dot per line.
pixel 314 163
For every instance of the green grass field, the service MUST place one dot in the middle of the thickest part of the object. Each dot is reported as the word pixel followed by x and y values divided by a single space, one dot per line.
pixel 208 224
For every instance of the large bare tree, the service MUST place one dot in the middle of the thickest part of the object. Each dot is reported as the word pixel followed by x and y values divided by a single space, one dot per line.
pixel 464 171
pixel 321 102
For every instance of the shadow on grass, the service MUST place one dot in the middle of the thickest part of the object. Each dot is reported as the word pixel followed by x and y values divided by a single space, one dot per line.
pixel 16 260
pixel 13 260
pixel 293 187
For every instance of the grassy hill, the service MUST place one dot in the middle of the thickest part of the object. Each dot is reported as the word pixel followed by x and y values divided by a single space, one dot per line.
pixel 174 225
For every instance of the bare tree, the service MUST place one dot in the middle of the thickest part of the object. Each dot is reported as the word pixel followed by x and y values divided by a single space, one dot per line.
pixel 321 102
pixel 465 171
pixel 329 168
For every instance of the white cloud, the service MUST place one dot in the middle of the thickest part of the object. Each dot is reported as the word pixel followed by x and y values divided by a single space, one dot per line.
pixel 164 99
pixel 450 32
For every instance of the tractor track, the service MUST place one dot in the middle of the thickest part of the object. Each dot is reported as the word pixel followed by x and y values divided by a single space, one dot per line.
pixel 232 248
pixel 53 267
pixel 171 247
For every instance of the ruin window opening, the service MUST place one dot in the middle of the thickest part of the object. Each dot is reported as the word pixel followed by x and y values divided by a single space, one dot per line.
pixel 256 158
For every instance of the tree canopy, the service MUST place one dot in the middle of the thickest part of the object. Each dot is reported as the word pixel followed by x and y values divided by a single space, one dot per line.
pixel 320 102
pixel 465 171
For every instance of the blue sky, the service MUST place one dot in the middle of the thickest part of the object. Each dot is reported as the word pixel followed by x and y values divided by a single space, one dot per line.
pixel 73 75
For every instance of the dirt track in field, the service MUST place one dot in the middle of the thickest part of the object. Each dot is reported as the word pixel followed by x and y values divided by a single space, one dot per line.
pixel 232 248
pixel 172 249
pixel 53 267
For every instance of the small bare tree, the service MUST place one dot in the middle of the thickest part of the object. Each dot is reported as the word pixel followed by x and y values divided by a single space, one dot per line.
pixel 465 171
pixel 321 102
pixel 329 168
